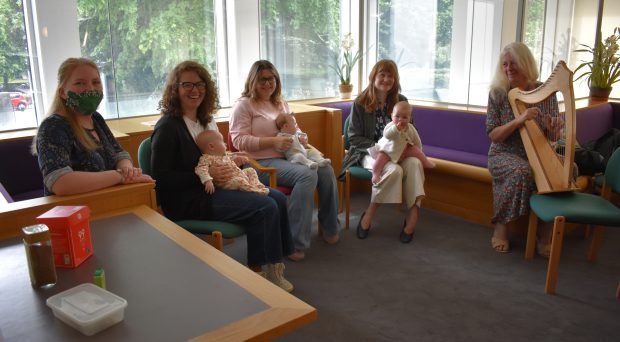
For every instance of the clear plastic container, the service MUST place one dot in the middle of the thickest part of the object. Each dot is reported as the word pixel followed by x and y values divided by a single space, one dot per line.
pixel 88 308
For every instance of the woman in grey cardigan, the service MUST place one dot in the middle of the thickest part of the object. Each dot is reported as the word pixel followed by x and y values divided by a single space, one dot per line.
pixel 369 116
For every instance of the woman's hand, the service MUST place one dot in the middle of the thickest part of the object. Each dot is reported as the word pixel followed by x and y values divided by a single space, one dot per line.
pixel 219 172
pixel 133 175
pixel 554 126
pixel 529 114
pixel 139 179
pixel 282 143
pixel 129 173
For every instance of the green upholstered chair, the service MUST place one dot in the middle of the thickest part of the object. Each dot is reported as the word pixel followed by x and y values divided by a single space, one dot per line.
pixel 574 207
pixel 356 172
pixel 216 231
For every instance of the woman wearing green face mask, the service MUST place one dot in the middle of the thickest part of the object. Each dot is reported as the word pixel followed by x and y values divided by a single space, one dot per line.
pixel 76 150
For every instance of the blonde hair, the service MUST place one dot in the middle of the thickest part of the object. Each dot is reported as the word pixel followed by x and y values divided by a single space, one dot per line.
pixel 368 97
pixel 523 58
pixel 252 80
pixel 404 104
pixel 59 105
pixel 170 103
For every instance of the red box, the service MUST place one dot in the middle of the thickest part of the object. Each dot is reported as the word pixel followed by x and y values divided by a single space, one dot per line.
pixel 70 231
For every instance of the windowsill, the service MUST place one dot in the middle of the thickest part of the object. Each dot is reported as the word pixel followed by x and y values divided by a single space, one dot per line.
pixel 140 124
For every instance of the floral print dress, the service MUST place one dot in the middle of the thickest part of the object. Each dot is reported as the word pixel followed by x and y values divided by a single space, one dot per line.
pixel 512 178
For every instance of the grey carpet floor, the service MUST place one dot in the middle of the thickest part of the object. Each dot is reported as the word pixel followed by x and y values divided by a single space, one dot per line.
pixel 449 285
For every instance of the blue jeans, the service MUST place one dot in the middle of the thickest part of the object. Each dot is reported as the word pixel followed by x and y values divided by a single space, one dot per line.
pixel 304 180
pixel 265 219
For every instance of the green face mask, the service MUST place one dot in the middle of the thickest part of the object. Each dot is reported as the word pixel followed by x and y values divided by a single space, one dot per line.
pixel 84 103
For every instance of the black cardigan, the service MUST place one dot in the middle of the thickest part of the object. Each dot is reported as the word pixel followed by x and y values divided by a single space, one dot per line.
pixel 173 159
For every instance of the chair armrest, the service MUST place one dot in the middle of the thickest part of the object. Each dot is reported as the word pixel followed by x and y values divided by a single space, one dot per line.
pixel 270 170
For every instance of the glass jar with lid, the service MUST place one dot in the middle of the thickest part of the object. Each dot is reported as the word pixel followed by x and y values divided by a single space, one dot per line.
pixel 38 244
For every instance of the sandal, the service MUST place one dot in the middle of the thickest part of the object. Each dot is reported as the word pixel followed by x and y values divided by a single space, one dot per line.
pixel 543 249
pixel 499 245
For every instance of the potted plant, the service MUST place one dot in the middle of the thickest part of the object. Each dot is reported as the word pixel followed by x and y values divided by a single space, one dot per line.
pixel 345 65
pixel 604 68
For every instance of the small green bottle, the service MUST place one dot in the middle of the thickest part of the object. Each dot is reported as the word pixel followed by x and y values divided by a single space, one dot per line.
pixel 99 278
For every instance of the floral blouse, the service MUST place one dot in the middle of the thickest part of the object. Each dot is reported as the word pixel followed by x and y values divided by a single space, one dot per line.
pixel 60 152
pixel 500 113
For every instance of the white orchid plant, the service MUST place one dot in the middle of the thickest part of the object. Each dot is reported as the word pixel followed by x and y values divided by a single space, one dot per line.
pixel 347 59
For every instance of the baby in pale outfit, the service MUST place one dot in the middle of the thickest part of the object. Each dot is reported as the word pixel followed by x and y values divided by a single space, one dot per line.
pixel 400 140
pixel 226 174
pixel 300 151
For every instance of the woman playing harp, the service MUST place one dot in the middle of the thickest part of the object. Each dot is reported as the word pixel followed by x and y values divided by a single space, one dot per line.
pixel 511 174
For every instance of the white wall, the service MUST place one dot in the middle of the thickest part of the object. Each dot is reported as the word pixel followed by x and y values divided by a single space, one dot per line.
pixel 584 30
pixel 55 24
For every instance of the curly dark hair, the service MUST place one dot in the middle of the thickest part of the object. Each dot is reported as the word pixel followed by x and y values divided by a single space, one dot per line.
pixel 170 104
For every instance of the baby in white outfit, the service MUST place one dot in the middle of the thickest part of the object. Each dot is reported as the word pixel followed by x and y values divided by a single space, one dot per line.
pixel 400 140
pixel 300 151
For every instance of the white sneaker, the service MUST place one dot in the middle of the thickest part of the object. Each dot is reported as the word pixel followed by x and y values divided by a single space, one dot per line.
pixel 275 274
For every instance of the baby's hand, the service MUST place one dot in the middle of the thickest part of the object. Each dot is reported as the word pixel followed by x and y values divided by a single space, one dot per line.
pixel 209 187
pixel 303 138
pixel 402 125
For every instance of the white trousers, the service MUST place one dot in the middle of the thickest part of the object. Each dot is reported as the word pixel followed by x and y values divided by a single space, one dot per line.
pixel 398 180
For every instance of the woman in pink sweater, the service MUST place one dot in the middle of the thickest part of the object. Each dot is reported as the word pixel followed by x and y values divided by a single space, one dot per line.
pixel 253 130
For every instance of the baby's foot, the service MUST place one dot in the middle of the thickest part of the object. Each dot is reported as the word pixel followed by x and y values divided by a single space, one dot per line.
pixel 313 165
pixel 428 164
pixel 376 177
pixel 324 162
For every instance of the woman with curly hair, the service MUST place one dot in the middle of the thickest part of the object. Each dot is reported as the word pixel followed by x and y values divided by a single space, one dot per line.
pixel 187 105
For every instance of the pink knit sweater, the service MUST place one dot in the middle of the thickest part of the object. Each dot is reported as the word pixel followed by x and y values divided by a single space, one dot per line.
pixel 249 121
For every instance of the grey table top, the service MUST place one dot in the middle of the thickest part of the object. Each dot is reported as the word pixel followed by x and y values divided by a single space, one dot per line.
pixel 172 295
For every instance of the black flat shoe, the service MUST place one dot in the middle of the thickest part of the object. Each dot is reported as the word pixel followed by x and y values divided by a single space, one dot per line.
pixel 361 232
pixel 404 237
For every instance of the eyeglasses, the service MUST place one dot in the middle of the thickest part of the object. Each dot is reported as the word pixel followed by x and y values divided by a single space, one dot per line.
pixel 190 85
pixel 265 80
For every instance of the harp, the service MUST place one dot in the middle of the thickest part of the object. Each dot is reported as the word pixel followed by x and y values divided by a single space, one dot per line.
pixel 550 151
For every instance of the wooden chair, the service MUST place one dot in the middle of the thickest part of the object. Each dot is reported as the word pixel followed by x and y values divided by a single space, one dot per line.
pixel 357 172
pixel 216 231
pixel 574 207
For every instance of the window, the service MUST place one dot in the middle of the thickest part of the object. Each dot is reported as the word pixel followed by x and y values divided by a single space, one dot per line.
pixel 534 27
pixel 302 39
pixel 136 44
pixel 16 102
pixel 444 49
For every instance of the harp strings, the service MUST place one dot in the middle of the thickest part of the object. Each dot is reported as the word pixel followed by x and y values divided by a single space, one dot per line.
pixel 552 123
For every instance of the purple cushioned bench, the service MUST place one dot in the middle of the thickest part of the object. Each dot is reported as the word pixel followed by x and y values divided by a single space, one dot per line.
pixel 446 134
pixel 456 136
pixel 593 122
pixel 460 136
pixel 19 174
